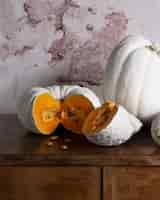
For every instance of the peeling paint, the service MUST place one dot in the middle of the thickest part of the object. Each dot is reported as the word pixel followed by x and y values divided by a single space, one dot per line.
pixel 23 50
pixel 57 41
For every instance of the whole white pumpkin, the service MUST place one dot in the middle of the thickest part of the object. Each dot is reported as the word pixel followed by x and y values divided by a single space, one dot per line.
pixel 155 129
pixel 132 77
pixel 25 103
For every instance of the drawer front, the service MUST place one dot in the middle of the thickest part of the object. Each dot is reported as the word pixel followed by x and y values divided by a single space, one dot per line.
pixel 131 183
pixel 47 183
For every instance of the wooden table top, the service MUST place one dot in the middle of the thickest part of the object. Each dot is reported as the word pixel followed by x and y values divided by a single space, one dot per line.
pixel 20 147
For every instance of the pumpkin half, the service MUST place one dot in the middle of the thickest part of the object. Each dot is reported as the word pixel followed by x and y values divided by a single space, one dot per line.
pixel 45 113
pixel 111 125
pixel 75 109
pixel 99 118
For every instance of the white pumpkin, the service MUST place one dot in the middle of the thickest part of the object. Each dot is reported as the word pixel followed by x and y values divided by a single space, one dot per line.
pixel 26 102
pixel 132 77
pixel 121 128
pixel 155 129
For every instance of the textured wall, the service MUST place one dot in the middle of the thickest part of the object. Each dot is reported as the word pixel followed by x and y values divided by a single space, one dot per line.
pixel 47 41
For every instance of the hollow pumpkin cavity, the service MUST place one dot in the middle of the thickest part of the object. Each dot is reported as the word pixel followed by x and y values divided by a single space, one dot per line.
pixel 99 118
pixel 75 109
pixel 45 113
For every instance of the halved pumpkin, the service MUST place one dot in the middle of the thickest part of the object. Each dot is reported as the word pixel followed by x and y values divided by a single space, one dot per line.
pixel 99 118
pixel 46 113
pixel 75 109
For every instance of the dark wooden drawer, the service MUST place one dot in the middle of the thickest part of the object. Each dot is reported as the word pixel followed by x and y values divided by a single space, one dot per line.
pixel 131 183
pixel 47 183
pixel 30 169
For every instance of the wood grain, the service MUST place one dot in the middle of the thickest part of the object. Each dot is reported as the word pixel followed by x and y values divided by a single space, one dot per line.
pixel 48 183
pixel 21 148
pixel 131 183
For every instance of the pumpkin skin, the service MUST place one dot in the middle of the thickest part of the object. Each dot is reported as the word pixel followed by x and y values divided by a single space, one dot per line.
pixel 48 102
pixel 70 90
pixel 132 77
pixel 114 128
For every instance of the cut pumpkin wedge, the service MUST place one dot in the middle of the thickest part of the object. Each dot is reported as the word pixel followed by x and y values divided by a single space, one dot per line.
pixel 75 109
pixel 99 118
pixel 45 113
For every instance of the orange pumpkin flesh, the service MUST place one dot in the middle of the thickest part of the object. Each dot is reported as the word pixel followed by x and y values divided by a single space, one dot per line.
pixel 99 118
pixel 45 113
pixel 75 109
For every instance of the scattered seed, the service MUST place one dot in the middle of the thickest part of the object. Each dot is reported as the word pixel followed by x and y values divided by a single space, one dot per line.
pixel 67 140
pixel 64 147
pixel 55 137
pixel 49 144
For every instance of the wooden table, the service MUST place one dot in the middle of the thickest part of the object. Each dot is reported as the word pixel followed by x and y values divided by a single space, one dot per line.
pixel 30 170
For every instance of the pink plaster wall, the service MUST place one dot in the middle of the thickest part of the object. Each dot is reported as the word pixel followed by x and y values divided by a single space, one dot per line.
pixel 48 41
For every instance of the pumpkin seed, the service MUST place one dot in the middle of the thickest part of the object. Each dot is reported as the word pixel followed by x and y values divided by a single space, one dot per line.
pixel 55 137
pixel 49 144
pixel 64 147
pixel 67 140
